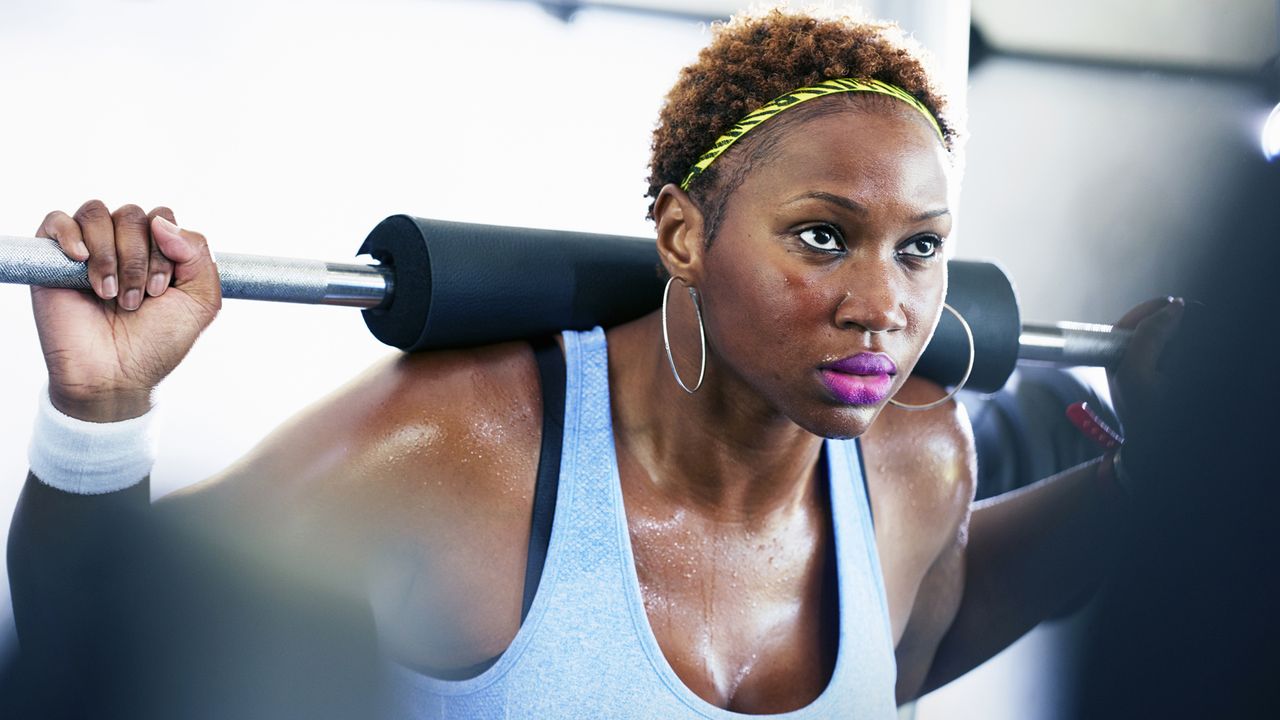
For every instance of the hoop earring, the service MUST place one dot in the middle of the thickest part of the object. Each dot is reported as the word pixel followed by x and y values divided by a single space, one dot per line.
pixel 968 332
pixel 666 340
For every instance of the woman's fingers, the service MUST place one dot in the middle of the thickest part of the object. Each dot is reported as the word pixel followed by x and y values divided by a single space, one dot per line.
pixel 1143 310
pixel 61 227
pixel 161 267
pixel 1153 329
pixel 1137 380
pixel 133 254
pixel 98 230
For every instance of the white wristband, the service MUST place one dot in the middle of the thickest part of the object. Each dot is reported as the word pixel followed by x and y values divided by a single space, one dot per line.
pixel 88 458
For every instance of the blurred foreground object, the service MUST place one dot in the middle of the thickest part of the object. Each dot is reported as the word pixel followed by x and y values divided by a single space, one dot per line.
pixel 122 615
pixel 1189 626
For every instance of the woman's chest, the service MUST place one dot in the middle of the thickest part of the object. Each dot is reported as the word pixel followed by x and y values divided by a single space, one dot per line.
pixel 747 617
pixel 746 623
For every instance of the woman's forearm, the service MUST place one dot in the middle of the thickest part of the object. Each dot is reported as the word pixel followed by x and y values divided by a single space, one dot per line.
pixel 1032 554
pixel 60 547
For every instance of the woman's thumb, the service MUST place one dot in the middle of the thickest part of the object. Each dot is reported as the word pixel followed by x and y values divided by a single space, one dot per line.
pixel 193 265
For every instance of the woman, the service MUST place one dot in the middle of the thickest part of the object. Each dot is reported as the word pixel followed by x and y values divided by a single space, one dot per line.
pixel 713 547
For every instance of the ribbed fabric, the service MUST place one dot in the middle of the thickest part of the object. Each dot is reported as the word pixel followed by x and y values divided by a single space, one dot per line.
pixel 89 458
pixel 586 649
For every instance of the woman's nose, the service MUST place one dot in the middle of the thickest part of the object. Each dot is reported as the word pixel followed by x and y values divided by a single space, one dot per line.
pixel 873 301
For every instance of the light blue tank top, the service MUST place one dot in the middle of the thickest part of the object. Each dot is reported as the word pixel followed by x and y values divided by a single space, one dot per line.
pixel 586 649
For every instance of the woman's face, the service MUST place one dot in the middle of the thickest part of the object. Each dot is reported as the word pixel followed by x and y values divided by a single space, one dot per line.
pixel 830 249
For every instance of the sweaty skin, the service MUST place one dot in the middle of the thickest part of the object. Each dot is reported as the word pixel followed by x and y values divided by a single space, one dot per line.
pixel 719 486
pixel 421 471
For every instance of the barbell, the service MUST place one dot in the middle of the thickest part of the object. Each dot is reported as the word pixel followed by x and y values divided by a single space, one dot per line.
pixel 439 284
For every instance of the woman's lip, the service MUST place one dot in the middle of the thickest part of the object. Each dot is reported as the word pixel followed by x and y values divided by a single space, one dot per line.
pixel 854 389
pixel 865 363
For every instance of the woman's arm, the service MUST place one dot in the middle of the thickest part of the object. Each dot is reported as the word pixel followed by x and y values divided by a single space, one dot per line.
pixel 999 567
pixel 1041 551
pixel 113 591
pixel 1032 554
pixel 922 474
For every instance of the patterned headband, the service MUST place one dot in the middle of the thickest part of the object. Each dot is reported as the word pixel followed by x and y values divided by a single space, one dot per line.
pixel 795 97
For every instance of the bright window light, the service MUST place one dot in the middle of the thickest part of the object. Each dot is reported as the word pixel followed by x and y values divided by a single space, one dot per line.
pixel 1271 135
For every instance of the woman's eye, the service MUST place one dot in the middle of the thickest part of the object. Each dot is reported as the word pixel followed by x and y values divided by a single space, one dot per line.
pixel 924 246
pixel 822 237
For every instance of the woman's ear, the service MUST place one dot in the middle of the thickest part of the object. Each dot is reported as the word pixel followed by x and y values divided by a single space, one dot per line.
pixel 680 245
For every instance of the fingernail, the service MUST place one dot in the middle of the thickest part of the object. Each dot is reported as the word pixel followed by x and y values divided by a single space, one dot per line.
pixel 156 285
pixel 109 286
pixel 81 248
pixel 164 223
pixel 132 299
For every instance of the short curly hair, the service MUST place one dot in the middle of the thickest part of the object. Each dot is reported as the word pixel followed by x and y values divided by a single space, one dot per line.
pixel 756 57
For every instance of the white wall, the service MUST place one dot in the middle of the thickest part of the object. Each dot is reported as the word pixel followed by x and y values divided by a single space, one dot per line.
pixel 1098 188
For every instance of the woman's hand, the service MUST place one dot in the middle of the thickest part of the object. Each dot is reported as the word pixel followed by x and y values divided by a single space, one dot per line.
pixel 1138 379
pixel 155 288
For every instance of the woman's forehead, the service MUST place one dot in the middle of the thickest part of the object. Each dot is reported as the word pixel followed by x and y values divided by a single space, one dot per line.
pixel 862 154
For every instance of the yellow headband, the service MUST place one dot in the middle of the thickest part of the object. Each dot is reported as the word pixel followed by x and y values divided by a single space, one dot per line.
pixel 795 97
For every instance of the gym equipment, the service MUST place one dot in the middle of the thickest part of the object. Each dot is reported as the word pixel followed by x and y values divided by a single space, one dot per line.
pixel 439 284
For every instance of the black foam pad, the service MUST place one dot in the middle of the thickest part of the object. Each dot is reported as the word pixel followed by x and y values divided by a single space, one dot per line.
pixel 459 284
pixel 982 293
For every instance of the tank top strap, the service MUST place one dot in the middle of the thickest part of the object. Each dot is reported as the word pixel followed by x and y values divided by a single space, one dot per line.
pixel 590 558
pixel 861 579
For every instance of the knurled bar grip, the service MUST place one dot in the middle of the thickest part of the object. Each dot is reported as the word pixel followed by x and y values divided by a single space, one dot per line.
pixel 39 261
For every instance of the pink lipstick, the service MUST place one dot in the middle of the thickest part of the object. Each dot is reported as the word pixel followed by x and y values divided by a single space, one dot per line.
pixel 862 379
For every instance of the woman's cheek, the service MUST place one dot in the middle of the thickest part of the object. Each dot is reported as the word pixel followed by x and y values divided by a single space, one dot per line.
pixel 922 318
pixel 784 300
pixel 808 299
pixel 754 318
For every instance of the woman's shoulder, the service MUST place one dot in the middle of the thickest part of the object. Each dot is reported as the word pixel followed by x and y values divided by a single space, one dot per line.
pixel 411 427
pixel 925 462
pixel 452 402
pixel 458 412
pixel 490 380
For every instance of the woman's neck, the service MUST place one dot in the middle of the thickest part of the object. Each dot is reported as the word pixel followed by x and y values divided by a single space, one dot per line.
pixel 721 451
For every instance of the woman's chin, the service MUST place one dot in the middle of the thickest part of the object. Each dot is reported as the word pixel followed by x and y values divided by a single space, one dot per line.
pixel 842 423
